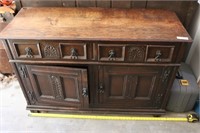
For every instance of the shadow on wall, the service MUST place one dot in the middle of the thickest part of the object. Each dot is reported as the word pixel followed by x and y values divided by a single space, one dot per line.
pixel 194 54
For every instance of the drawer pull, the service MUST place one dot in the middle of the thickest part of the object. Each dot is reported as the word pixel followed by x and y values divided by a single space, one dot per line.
pixel 85 92
pixel 158 56
pixel 74 53
pixel 101 89
pixel 29 52
pixel 112 55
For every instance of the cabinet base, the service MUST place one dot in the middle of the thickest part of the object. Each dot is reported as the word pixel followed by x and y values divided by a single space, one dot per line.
pixel 46 109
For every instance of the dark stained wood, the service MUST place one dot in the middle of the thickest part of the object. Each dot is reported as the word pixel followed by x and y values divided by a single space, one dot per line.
pixel 86 3
pixel 138 4
pixel 58 86
pixel 120 4
pixel 96 24
pixel 103 3
pixel 41 3
pixel 123 87
pixel 73 50
pixel 69 3
pixel 111 52
pixel 94 60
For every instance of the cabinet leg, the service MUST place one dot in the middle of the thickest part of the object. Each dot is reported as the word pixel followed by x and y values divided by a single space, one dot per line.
pixel 156 115
pixel 35 111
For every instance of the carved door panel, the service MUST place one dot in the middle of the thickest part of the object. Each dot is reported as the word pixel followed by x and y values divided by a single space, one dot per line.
pixel 128 87
pixel 59 86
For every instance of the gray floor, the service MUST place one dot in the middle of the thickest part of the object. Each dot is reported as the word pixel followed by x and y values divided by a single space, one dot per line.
pixel 15 119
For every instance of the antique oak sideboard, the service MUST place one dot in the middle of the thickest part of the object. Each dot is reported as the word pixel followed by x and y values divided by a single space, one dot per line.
pixel 95 59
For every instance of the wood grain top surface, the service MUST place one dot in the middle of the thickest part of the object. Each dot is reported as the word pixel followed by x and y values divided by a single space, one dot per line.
pixel 96 24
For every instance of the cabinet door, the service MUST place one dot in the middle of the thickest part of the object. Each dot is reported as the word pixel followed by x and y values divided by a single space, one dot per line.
pixel 59 86
pixel 128 87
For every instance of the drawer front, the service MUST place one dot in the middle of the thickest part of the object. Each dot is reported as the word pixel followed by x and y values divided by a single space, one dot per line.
pixel 49 50
pixel 111 52
pixel 73 51
pixel 157 53
pixel 137 53
pixel 25 49
pixel 83 51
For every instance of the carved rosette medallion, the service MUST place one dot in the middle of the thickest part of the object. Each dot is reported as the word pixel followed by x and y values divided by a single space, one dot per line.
pixel 56 87
pixel 50 52
pixel 136 54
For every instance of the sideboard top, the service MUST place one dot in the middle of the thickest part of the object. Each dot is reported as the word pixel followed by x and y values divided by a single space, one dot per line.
pixel 96 24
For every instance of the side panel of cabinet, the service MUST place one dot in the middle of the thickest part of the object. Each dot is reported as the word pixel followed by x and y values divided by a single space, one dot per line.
pixel 59 86
pixel 129 87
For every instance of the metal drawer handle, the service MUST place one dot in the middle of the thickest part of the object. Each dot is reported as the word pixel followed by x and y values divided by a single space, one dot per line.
pixel 74 53
pixel 29 52
pixel 101 89
pixel 112 55
pixel 85 92
pixel 158 56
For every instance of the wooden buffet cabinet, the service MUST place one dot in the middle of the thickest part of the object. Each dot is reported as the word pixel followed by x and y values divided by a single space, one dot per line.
pixel 95 59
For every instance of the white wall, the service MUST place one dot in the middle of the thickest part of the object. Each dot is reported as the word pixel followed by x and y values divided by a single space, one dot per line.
pixel 194 54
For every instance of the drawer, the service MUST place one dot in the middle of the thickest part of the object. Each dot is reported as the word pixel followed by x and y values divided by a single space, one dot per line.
pixel 111 52
pixel 158 53
pixel 50 50
pixel 25 49
pixel 73 51
pixel 136 53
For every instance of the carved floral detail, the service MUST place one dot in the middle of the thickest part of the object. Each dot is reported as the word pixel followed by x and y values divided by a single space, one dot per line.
pixel 158 99
pixel 136 54
pixel 165 78
pixel 31 97
pixel 56 86
pixel 50 52
pixel 22 71
pixel 166 75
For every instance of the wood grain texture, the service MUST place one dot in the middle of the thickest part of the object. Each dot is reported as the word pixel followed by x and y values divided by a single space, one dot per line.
pixel 5 66
pixel 185 10
pixel 95 59
pixel 96 24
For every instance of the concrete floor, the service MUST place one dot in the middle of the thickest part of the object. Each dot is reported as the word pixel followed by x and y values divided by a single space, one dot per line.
pixel 15 119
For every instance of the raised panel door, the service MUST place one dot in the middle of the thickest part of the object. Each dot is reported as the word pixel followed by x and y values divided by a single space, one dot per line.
pixel 128 87
pixel 59 86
